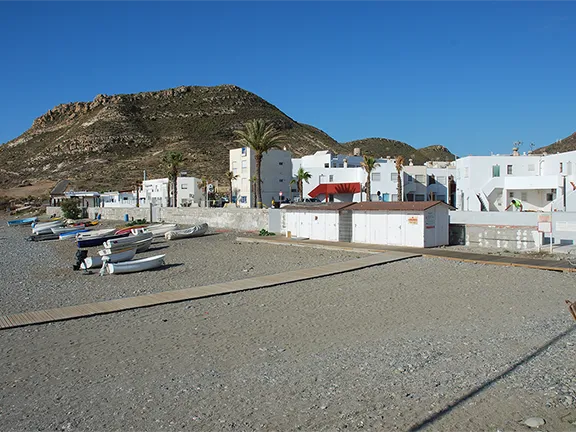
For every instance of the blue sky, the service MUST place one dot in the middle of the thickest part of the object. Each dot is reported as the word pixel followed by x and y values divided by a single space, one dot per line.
pixel 474 77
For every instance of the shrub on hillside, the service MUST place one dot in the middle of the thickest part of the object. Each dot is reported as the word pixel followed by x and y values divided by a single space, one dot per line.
pixel 70 208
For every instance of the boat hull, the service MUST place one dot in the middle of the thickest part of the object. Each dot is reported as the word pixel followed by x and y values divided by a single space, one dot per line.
pixel 60 230
pixel 97 240
pixel 120 256
pixel 128 240
pixel 72 234
pixel 25 221
pixel 136 266
pixel 195 231
pixel 157 230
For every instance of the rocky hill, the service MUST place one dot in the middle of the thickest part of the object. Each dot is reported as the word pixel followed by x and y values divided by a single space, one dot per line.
pixel 107 143
pixel 383 147
pixel 564 145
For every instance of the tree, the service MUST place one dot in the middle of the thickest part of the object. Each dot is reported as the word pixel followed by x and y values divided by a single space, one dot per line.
pixel 301 177
pixel 70 208
pixel 254 180
pixel 399 167
pixel 369 164
pixel 261 137
pixel 230 176
pixel 173 162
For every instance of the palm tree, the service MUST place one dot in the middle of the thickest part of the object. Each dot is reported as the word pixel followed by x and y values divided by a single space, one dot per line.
pixel 369 164
pixel 230 176
pixel 399 166
pixel 261 137
pixel 254 180
pixel 173 162
pixel 301 177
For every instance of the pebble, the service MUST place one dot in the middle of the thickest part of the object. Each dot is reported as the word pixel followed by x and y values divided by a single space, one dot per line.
pixel 534 422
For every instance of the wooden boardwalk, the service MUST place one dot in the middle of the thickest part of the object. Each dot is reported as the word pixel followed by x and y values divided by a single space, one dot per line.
pixel 90 309
pixel 535 263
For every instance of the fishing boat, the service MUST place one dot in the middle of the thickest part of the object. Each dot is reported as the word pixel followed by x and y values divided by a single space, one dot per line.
pixel 96 233
pixel 71 234
pixel 129 229
pixel 137 265
pixel 46 222
pixel 46 227
pixel 157 230
pixel 25 221
pixel 141 246
pixel 42 237
pixel 195 231
pixel 60 230
pixel 96 240
pixel 119 256
pixel 128 240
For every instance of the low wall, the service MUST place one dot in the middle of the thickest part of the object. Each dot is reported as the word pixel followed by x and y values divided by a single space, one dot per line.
pixel 226 218
pixel 516 219
pixel 510 238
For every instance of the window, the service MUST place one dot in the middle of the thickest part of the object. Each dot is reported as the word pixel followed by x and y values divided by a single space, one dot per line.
pixel 410 196
pixel 431 179
pixel 561 166
pixel 243 199
pixel 244 165
pixel 549 197
pixel 235 170
pixel 331 178
pixel 326 165
pixel 466 172
pixel 441 179
pixel 281 180
pixel 420 197
pixel 393 177
pixel 183 186
pixel 409 178
pixel 511 194
pixel 244 151
pixel 420 178
pixel 531 167
pixel 375 176
pixel 495 170
pixel 280 163
pixel 509 169
pixel 330 198
pixel 394 197
pixel 524 196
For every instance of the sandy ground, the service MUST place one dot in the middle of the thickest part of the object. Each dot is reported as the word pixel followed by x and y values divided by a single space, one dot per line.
pixel 424 342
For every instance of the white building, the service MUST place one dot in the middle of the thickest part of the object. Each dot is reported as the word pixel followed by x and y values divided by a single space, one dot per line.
pixel 340 178
pixel 489 183
pixel 126 198
pixel 158 192
pixel 275 171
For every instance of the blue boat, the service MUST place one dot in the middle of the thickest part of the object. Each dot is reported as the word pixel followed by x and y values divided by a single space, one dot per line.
pixel 26 221
pixel 68 234
pixel 97 241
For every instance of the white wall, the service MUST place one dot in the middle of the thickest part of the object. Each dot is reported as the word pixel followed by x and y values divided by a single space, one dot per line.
pixel 315 225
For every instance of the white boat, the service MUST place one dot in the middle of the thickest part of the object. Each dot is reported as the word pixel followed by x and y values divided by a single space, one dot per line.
pixel 141 246
pixel 46 227
pixel 119 256
pixel 127 240
pixel 51 222
pixel 157 230
pixel 71 235
pixel 95 233
pixel 137 265
pixel 60 230
pixel 195 231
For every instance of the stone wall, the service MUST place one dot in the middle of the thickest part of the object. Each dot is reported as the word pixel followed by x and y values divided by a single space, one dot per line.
pixel 225 218
pixel 510 238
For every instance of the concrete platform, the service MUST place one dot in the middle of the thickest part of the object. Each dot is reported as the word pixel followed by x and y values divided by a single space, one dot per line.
pixel 99 308
pixel 540 264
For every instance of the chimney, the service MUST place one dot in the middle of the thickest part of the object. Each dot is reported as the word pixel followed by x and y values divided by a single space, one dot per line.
pixel 410 162
pixel 515 151
pixel 357 151
pixel 144 175
pixel 345 163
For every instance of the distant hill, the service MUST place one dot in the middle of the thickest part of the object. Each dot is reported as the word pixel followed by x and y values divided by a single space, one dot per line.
pixel 564 145
pixel 383 147
pixel 109 142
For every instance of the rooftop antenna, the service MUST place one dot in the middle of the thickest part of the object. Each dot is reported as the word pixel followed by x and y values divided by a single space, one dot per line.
pixel 532 145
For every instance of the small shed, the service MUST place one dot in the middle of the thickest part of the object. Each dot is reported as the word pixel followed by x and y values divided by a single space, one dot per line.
pixel 415 224
pixel 325 221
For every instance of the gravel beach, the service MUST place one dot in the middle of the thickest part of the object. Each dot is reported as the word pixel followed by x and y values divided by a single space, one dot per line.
pixel 428 343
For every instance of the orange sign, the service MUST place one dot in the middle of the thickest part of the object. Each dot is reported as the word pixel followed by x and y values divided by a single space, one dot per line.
pixel 413 220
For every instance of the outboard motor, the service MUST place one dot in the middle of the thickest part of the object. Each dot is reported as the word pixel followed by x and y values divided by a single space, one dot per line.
pixel 81 255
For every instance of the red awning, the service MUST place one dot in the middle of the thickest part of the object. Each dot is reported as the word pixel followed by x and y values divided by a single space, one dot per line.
pixel 335 189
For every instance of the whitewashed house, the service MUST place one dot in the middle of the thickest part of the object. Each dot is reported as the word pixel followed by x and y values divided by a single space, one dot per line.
pixel 541 182
pixel 275 171
pixel 126 198
pixel 158 192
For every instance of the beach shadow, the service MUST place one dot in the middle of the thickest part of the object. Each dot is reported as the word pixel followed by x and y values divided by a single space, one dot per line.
pixel 479 389
pixel 157 248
